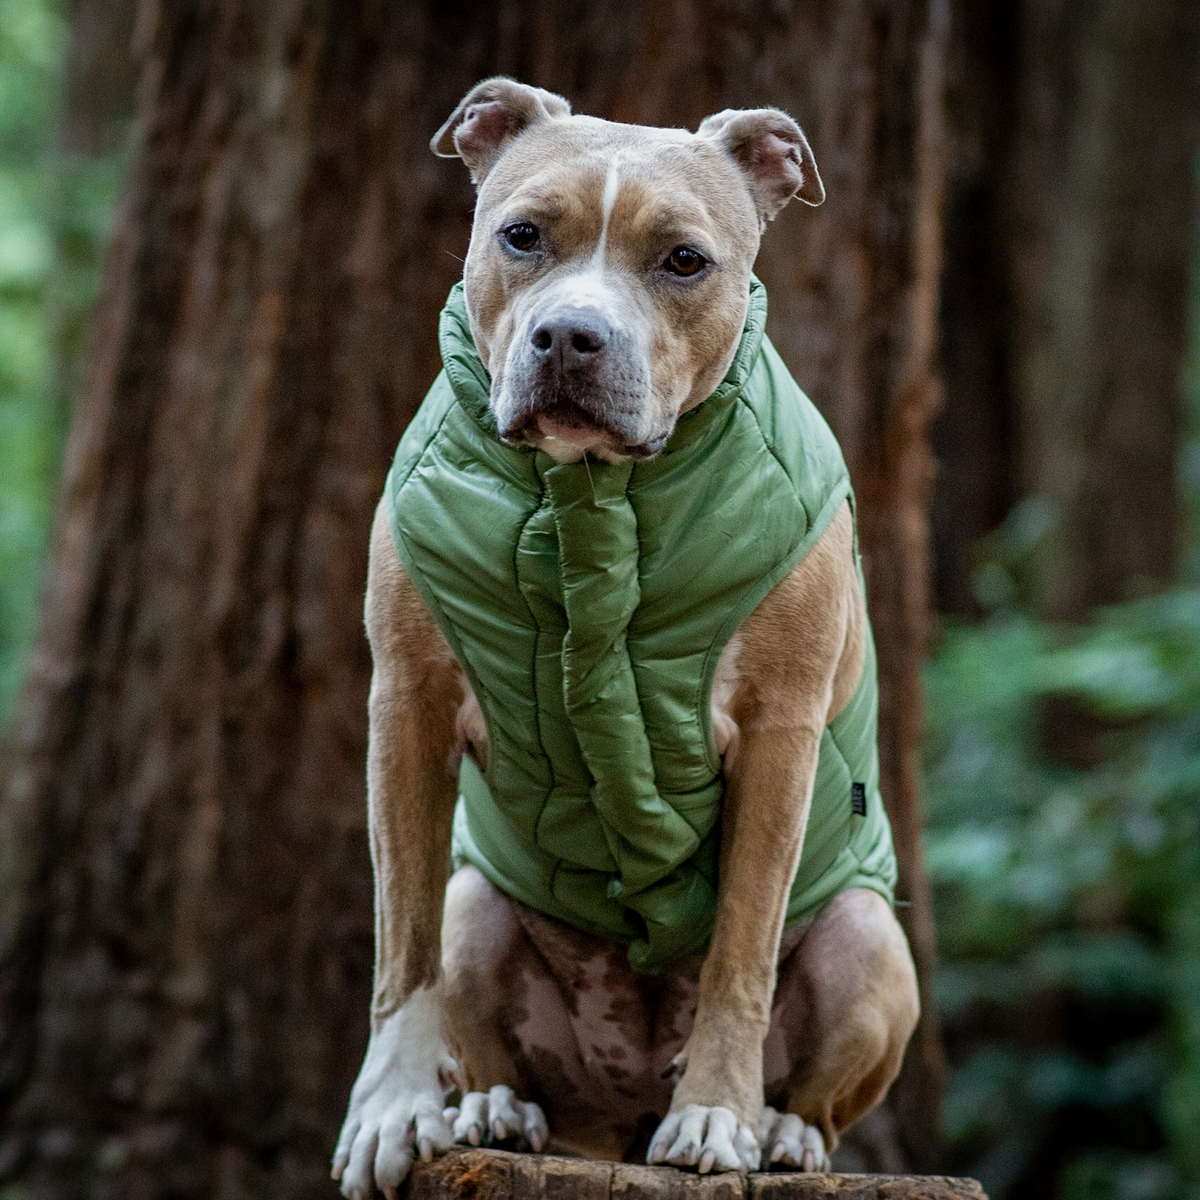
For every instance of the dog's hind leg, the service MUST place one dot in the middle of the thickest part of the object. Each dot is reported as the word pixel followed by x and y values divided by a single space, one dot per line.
pixel 483 956
pixel 839 1025
pixel 511 1031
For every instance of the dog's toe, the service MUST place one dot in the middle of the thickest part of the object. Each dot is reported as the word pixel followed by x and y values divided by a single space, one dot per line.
pixel 393 1157
pixel 815 1156
pixel 504 1118
pixel 471 1119
pixel 664 1138
pixel 357 1178
pixel 685 1150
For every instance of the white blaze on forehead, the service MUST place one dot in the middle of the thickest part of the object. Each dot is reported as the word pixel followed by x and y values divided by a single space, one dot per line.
pixel 611 185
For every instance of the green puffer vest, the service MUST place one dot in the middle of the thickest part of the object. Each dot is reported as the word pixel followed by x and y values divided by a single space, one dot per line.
pixel 588 604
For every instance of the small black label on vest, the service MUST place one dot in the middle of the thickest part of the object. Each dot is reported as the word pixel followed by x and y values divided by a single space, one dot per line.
pixel 858 799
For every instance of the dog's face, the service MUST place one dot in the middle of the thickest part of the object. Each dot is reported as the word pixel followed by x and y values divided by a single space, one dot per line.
pixel 608 273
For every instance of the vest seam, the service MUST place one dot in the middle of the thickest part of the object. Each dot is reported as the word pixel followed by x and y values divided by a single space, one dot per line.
pixel 769 443
pixel 537 640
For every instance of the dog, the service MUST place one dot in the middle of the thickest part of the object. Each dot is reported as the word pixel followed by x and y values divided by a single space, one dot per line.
pixel 620 652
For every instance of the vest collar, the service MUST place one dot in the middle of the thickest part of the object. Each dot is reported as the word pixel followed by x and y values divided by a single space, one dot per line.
pixel 472 383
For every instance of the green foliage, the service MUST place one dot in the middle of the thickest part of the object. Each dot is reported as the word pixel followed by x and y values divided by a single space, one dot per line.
pixel 1063 840
pixel 54 215
pixel 1062 779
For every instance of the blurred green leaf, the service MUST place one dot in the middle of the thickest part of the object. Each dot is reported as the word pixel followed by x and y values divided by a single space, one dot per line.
pixel 54 219
pixel 1066 895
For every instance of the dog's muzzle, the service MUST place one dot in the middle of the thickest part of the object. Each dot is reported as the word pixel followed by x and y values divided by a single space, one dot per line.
pixel 576 372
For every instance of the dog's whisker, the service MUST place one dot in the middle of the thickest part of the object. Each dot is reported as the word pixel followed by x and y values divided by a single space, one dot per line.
pixel 591 482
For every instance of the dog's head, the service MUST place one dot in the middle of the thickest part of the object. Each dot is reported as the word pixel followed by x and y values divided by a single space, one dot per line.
pixel 608 273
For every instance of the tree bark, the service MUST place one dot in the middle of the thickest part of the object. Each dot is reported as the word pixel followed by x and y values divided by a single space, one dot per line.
pixel 100 82
pixel 1071 228
pixel 185 913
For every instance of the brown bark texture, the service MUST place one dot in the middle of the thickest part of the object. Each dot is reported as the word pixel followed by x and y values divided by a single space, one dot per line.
pixel 100 82
pixel 185 892
pixel 1070 232
pixel 496 1175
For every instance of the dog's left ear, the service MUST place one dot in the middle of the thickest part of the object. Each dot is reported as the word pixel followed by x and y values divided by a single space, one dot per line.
pixel 772 153
pixel 489 115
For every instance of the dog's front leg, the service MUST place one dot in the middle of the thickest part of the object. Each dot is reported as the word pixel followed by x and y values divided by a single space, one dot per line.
pixel 800 659
pixel 396 1104
pixel 716 1109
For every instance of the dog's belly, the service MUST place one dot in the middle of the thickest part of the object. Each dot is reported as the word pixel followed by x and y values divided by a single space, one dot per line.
pixel 609 1063
pixel 625 1028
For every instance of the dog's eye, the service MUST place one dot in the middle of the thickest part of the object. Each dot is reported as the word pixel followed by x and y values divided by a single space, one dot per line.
pixel 521 236
pixel 683 260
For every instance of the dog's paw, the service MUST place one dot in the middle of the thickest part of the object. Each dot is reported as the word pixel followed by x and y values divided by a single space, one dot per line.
pixel 709 1139
pixel 395 1108
pixel 379 1142
pixel 788 1142
pixel 485 1118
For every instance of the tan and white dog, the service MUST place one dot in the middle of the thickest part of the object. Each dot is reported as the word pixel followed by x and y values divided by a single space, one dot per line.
pixel 591 348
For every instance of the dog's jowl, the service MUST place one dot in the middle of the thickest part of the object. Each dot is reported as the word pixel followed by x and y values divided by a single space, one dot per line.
pixel 624 684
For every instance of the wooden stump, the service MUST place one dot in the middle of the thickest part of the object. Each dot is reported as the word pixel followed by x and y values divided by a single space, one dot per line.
pixel 499 1175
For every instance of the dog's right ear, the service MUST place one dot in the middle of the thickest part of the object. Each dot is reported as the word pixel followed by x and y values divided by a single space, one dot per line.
pixel 773 154
pixel 489 115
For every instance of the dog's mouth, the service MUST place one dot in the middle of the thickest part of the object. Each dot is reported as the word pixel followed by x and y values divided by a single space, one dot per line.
pixel 563 420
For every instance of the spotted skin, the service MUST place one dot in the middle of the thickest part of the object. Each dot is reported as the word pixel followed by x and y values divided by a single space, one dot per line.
pixel 569 1025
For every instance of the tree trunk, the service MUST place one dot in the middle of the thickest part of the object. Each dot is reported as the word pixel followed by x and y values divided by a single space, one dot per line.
pixel 1071 227
pixel 185 909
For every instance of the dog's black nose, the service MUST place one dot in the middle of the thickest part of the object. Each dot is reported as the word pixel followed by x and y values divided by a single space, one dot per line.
pixel 573 339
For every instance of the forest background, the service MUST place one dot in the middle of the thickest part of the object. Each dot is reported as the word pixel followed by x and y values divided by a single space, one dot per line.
pixel 1062 750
